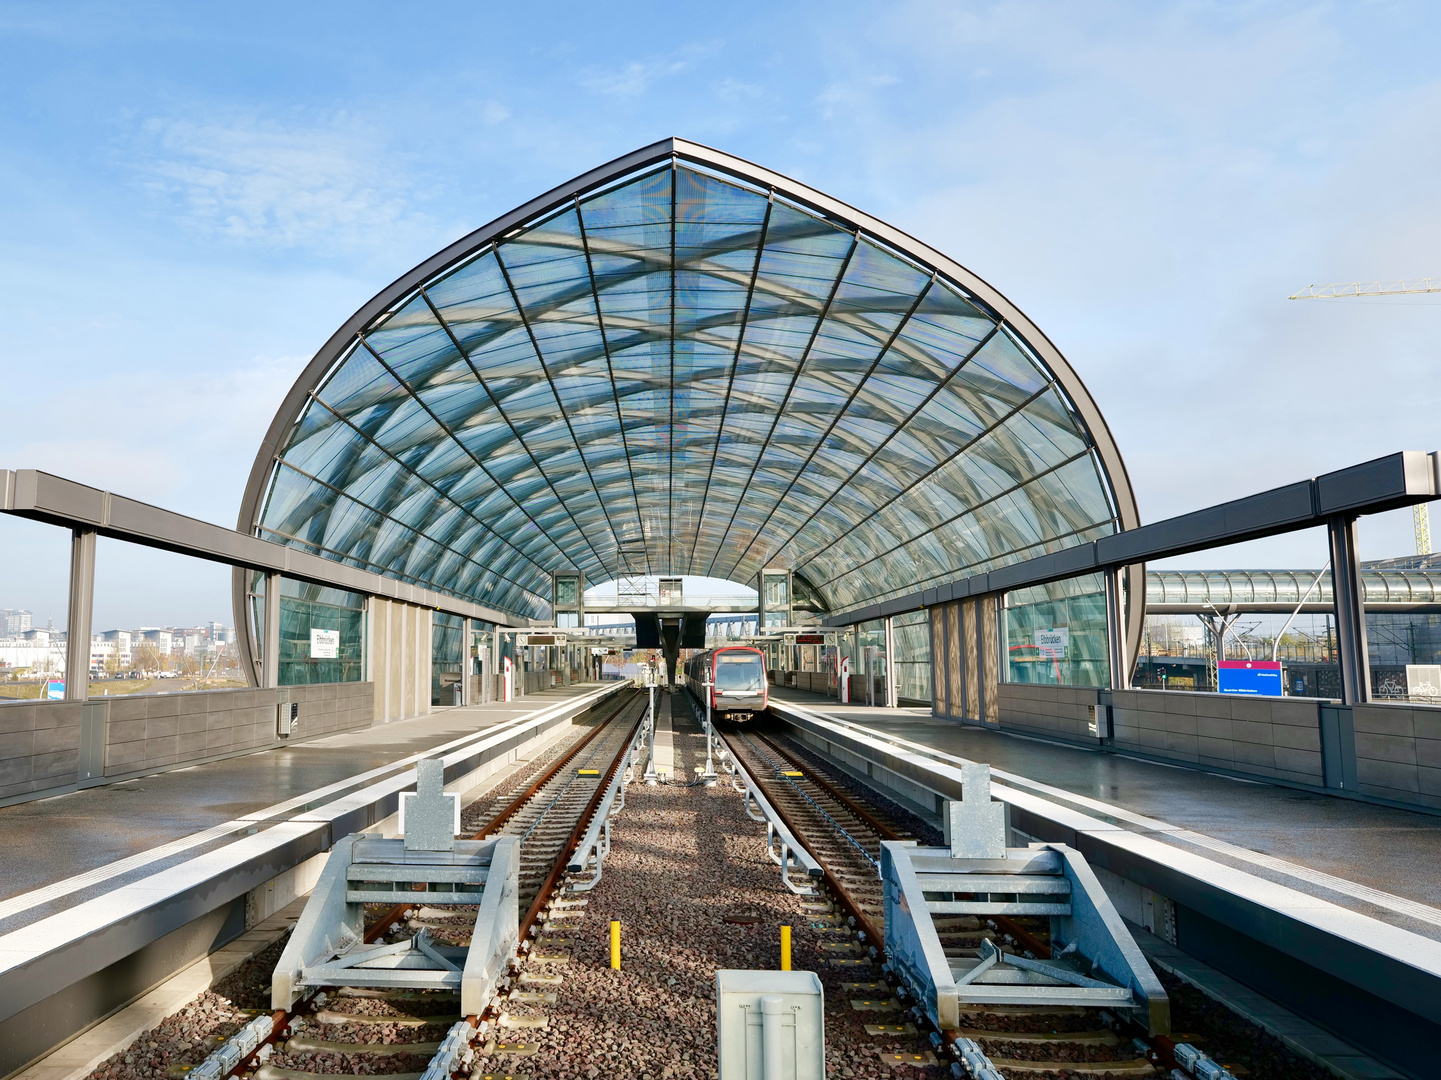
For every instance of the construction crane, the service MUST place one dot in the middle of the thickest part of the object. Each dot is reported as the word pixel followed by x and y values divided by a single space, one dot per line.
pixel 1421 512
pixel 1401 287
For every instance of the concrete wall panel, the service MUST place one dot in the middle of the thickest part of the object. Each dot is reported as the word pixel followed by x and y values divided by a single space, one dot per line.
pixel 40 741
pixel 1397 746
pixel 399 639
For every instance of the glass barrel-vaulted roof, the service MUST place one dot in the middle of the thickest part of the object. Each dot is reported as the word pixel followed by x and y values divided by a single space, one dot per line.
pixel 682 364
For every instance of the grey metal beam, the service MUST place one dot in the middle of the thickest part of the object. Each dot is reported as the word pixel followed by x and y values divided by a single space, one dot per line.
pixel 892 688
pixel 1372 487
pixel 53 499
pixel 270 634
pixel 81 610
pixel 1350 610
pixel 1120 670
pixel 1310 608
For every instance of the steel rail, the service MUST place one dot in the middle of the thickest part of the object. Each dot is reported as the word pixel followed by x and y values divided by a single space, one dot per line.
pixel 832 877
pixel 568 848
pixel 597 837
pixel 776 828
pixel 247 1057
pixel 884 831
pixel 498 821
pixel 1004 922
pixel 846 833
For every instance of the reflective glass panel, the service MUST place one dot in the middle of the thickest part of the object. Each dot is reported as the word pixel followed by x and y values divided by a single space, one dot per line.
pixel 682 373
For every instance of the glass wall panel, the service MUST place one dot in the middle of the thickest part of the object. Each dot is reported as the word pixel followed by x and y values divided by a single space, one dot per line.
pixel 1056 633
pixel 447 658
pixel 567 589
pixel 34 604
pixel 912 635
pixel 322 634
pixel 161 623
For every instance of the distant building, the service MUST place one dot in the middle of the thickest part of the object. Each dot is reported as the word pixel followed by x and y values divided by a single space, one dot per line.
pixel 163 640
pixel 122 644
pixel 27 651
pixel 14 621
pixel 32 656
pixel 101 652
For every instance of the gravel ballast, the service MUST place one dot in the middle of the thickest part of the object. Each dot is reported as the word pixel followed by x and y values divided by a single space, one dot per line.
pixel 682 860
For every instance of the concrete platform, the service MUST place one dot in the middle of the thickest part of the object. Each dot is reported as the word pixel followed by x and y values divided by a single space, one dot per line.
pixel 1373 859
pixel 72 847
pixel 1299 1035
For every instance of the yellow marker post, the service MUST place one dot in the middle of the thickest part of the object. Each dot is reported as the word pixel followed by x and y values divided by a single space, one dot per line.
pixel 785 948
pixel 615 945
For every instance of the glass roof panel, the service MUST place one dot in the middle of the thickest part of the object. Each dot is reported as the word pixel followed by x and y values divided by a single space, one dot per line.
pixel 684 372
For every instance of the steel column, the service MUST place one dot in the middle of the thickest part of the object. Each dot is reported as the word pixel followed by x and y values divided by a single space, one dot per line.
pixel 496 664
pixel 270 646
pixel 367 622
pixel 1116 631
pixel 1350 610
pixel 465 634
pixel 79 614
pixel 892 691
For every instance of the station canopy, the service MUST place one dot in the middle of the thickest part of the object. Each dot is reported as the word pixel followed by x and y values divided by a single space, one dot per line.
pixel 684 364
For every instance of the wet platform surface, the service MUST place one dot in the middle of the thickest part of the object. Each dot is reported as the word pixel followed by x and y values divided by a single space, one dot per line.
pixel 1376 847
pixel 45 842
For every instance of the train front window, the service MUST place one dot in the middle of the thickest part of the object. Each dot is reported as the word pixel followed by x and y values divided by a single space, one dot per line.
pixel 739 673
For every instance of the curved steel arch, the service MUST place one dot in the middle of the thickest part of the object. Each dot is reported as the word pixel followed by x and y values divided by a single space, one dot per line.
pixel 1115 479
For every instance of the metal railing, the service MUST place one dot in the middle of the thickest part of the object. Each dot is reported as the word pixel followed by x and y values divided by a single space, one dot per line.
pixel 781 845
pixel 589 855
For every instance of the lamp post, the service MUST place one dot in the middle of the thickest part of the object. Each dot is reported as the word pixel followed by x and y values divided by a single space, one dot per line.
pixel 651 776
pixel 709 776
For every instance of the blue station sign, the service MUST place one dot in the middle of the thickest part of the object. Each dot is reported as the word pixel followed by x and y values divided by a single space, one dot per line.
pixel 1259 677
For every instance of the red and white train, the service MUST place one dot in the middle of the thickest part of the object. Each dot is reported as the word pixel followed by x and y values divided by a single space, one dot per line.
pixel 737 678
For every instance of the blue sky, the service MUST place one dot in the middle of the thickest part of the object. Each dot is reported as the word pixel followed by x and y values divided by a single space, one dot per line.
pixel 192 198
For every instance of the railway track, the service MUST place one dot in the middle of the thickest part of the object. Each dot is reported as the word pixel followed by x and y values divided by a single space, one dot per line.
pixel 400 1033
pixel 843 830
pixel 412 1035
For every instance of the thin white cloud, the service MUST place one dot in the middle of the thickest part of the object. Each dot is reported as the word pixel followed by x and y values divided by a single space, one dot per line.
pixel 1149 191
pixel 493 112
pixel 736 90
pixel 195 453
pixel 632 80
pixel 636 78
pixel 330 186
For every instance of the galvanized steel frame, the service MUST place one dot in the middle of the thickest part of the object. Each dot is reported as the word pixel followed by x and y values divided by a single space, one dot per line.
pixel 1115 478
pixel 1375 959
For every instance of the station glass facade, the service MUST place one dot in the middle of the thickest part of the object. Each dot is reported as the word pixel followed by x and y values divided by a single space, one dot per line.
pixel 447 658
pixel 1056 633
pixel 304 655
pixel 675 370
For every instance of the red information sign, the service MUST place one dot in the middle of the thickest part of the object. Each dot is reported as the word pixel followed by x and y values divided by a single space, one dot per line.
pixel 810 639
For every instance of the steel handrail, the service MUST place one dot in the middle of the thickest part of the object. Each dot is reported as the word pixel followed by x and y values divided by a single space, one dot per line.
pixel 595 845
pixel 776 828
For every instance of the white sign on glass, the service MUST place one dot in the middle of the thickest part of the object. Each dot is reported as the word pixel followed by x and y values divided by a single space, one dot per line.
pixel 324 644
pixel 1423 680
pixel 1052 643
